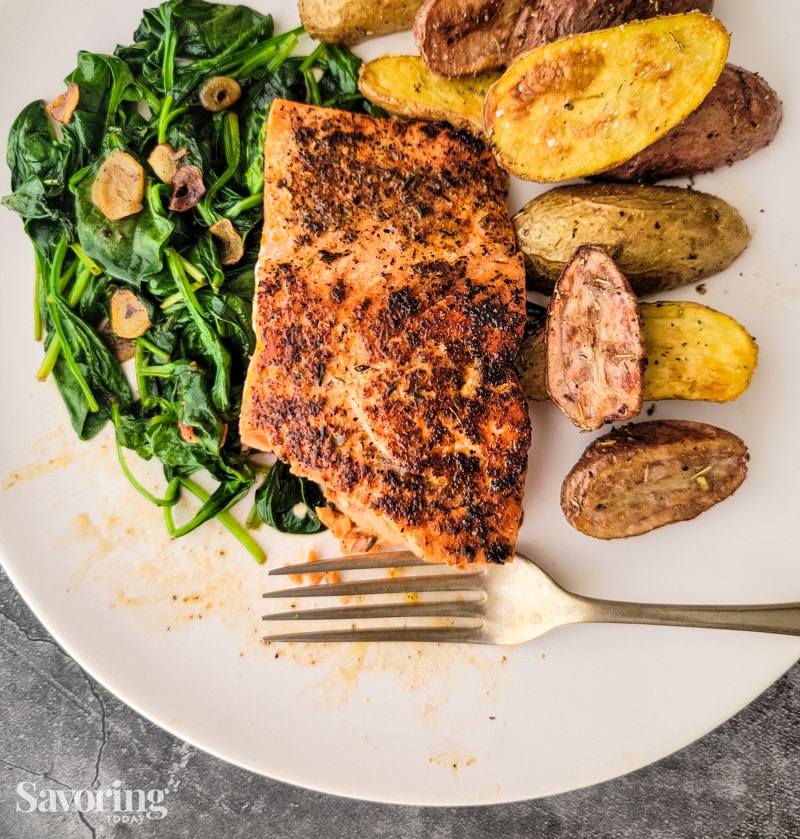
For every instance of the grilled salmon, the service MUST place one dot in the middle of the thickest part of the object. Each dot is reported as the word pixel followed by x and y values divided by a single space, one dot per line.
pixel 389 306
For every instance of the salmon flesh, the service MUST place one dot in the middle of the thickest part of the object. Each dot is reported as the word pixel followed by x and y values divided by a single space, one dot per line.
pixel 389 306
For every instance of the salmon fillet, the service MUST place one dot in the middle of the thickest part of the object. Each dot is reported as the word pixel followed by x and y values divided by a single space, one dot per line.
pixel 389 306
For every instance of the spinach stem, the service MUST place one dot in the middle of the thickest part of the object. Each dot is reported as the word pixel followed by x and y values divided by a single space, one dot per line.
pixel 225 518
pixel 233 153
pixel 148 345
pixel 342 100
pixel 138 367
pixel 254 200
pixel 177 297
pixel 286 49
pixel 168 119
pixel 241 64
pixel 216 349
pixel 52 306
pixel 49 360
pixel 307 68
pixel 192 270
pixel 164 118
pixel 84 275
pixel 65 279
pixel 310 60
pixel 38 288
pixel 312 88
pixel 86 259
pixel 54 350
pixel 170 496
pixel 158 371
pixel 91 401
pixel 170 45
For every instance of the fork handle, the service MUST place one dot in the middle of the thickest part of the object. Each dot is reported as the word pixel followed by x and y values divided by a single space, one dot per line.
pixel 779 618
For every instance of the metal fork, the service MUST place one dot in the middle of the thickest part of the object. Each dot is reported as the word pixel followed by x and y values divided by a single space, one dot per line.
pixel 507 604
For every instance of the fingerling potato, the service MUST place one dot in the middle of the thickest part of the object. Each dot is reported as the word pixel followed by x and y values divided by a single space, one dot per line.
pixel 460 38
pixel 587 103
pixel 353 21
pixel 595 351
pixel 661 237
pixel 404 86
pixel 693 352
pixel 646 475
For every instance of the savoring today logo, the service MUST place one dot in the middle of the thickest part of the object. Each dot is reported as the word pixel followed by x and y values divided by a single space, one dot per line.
pixel 119 805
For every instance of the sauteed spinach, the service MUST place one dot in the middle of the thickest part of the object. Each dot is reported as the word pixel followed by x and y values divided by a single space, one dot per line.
pixel 180 404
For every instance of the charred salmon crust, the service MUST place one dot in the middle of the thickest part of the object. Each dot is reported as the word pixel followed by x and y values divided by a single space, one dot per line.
pixel 389 306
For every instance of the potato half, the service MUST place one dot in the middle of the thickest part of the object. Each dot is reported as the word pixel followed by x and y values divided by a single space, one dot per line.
pixel 649 474
pixel 353 21
pixel 586 103
pixel 404 86
pixel 661 237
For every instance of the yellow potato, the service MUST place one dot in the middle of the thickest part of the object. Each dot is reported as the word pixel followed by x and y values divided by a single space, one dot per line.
pixel 404 86
pixel 352 21
pixel 586 103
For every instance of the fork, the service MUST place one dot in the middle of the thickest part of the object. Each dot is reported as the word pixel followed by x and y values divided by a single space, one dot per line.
pixel 492 604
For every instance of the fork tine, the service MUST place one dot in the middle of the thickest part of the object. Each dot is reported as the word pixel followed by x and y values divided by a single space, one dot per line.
pixel 442 634
pixel 426 609
pixel 463 581
pixel 355 562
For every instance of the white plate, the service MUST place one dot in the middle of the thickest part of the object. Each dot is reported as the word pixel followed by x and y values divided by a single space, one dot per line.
pixel 173 628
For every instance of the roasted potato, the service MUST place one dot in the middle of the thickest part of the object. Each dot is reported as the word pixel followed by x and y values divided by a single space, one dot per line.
pixel 404 86
pixel 696 353
pixel 353 21
pixel 586 103
pixel 740 115
pixel 693 352
pixel 660 237
pixel 459 38
pixel 595 352
pixel 649 474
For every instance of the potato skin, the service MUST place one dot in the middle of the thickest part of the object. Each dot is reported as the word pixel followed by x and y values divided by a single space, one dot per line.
pixel 740 115
pixel 459 38
pixel 661 237
pixel 649 474
pixel 353 21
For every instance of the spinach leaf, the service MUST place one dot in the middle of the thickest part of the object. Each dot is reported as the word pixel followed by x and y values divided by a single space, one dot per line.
pixel 34 152
pixel 287 502
pixel 107 112
pixel 39 165
pixel 190 365
pixel 128 249
pixel 100 369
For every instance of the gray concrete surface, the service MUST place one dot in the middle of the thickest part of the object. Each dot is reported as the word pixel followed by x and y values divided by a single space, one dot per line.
pixel 62 731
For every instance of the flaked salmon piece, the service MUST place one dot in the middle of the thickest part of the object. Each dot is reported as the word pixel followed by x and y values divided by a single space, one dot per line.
pixel 390 303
